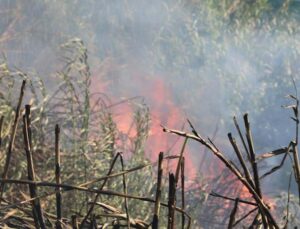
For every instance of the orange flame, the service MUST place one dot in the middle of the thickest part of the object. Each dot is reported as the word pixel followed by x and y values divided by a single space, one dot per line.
pixel 163 111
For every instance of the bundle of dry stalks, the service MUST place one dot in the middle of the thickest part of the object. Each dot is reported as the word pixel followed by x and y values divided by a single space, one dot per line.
pixel 29 213
pixel 247 172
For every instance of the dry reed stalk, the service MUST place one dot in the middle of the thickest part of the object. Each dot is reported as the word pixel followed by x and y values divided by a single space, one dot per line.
pixel 288 203
pixel 155 221
pixel 294 143
pixel 232 168
pixel 275 168
pixel 241 159
pixel 171 201
pixel 74 222
pixel 36 207
pixel 214 194
pixel 272 153
pixel 57 178
pixel 1 127
pixel 105 179
pixel 296 166
pixel 67 187
pixel 12 138
pixel 233 213
pixel 125 192
pixel 253 163
pixel 245 216
pixel 182 192
pixel 252 155
pixel 237 126
pixel 179 161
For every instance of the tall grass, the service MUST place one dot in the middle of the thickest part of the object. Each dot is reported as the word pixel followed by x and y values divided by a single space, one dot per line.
pixel 89 143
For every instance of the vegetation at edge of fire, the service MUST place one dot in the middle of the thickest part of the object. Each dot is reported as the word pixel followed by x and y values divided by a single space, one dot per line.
pixel 194 40
pixel 89 137
pixel 278 17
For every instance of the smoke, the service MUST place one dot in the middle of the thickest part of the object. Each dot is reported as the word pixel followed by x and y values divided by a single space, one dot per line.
pixel 213 63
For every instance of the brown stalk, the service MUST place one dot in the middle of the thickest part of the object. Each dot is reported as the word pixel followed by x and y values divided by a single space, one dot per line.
pixel 105 179
pixel 74 222
pixel 67 187
pixel 155 221
pixel 232 168
pixel 179 161
pixel 57 178
pixel 252 155
pixel 296 166
pixel 294 143
pixel 172 201
pixel 254 165
pixel 233 213
pixel 1 127
pixel 125 171
pixel 241 136
pixel 288 203
pixel 275 168
pixel 110 175
pixel 12 138
pixel 256 223
pixel 272 153
pixel 214 194
pixel 241 160
pixel 125 192
pixel 205 152
pixel 36 207
pixel 182 193
pixel 245 216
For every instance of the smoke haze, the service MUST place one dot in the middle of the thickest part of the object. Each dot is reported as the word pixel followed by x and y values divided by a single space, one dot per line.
pixel 191 59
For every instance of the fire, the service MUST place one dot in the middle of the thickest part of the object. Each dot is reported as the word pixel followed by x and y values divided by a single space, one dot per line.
pixel 163 111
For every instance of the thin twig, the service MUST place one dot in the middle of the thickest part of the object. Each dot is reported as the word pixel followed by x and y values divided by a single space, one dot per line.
pixel 1 127
pixel 245 216
pixel 36 206
pixel 241 160
pixel 296 166
pixel 57 177
pixel 12 138
pixel 182 193
pixel 288 203
pixel 231 167
pixel 214 194
pixel 155 221
pixel 275 168
pixel 252 155
pixel 271 153
pixel 67 187
pixel 125 192
pixel 112 175
pixel 254 165
pixel 179 161
pixel 172 201
pixel 241 136
pixel 233 213
pixel 105 179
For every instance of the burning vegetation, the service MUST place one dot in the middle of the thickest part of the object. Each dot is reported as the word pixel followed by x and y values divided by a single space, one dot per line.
pixel 69 162
pixel 105 141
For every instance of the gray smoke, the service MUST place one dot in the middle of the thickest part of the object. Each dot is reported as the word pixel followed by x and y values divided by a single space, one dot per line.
pixel 214 67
